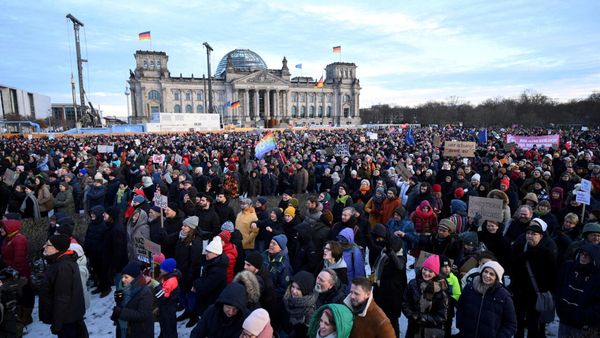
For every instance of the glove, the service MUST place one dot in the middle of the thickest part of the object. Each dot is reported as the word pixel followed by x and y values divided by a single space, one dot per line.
pixel 118 297
pixel 54 329
pixel 116 313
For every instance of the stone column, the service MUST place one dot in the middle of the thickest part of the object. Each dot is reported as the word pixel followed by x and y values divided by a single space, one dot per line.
pixel 287 104
pixel 256 104
pixel 246 107
pixel 267 104
pixel 276 109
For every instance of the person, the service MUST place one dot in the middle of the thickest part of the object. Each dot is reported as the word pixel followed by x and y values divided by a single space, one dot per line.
pixel 95 237
pixel 333 259
pixel 402 227
pixel 223 209
pixel 425 221
pixel 278 264
pixel 137 225
pixel 268 228
pixel 30 208
pixel 390 204
pixel 374 206
pixel 369 321
pixel 577 302
pixel 132 312
pixel 491 236
pixel 351 254
pixel 230 251
pixel 454 291
pixel 518 225
pixel 342 201
pixel 61 302
pixel 253 288
pixel 44 196
pixel 329 288
pixel 115 245
pixel 243 222
pixel 485 307
pixel 331 321
pixel 254 263
pixel 167 295
pixel 589 235
pixel 225 317
pixel 299 301
pixel 425 301
pixel 257 324
pixel 63 201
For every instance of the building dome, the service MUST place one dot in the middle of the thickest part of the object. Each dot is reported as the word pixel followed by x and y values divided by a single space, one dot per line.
pixel 243 60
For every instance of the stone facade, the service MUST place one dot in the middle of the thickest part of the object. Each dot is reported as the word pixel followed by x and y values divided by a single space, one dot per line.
pixel 268 97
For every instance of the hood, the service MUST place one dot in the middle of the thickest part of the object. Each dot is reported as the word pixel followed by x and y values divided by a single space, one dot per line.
pixel 458 207
pixel 114 213
pixel 342 317
pixel 98 211
pixel 499 194
pixel 348 234
pixel 234 294
pixel 594 251
pixel 250 283
pixel 11 225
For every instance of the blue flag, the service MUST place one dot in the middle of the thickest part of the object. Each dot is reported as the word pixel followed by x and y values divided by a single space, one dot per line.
pixel 299 66
pixel 409 139
pixel 482 136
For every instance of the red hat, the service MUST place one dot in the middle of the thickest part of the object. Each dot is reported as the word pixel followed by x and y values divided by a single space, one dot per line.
pixel 459 192
pixel 433 263
pixel 436 187
pixel 505 181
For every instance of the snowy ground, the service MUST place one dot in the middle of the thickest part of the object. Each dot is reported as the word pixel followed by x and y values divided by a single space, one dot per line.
pixel 99 324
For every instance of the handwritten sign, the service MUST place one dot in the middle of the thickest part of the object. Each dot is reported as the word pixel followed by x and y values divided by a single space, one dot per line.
pixel 342 150
pixel 9 177
pixel 582 197
pixel 586 185
pixel 161 201
pixel 152 247
pixel 139 249
pixel 459 149
pixel 104 148
pixel 158 158
pixel 372 136
pixel 489 208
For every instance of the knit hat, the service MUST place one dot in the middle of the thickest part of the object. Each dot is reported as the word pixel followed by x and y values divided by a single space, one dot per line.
pixel 225 236
pixel 228 226
pixel 255 259
pixel 305 281
pixel 591 228
pixel 379 230
pixel 245 201
pixel 459 192
pixel 158 258
pixel 262 200
pixel 470 238
pixel 365 182
pixel 139 199
pixel 436 188
pixel 445 261
pixel 505 181
pixel 498 269
pixel 133 269
pixel 432 263
pixel 537 225
pixel 448 224
pixel 290 211
pixel 258 322
pixel 168 265
pixel 191 222
pixel 155 209
pixel 394 190
pixel 531 197
pixel 215 246
pixel 281 241
pixel 60 242
pixel 476 177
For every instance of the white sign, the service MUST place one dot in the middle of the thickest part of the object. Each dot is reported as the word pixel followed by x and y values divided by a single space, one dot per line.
pixel 161 201
pixel 158 158
pixel 583 197
pixel 372 136
pixel 342 150
pixel 586 185
pixel 185 122
pixel 137 142
pixel 104 148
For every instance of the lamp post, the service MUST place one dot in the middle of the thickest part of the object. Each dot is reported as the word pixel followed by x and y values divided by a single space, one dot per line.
pixel 127 101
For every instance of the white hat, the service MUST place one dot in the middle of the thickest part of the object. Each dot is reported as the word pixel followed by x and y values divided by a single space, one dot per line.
pixel 215 246
pixel 541 222
pixel 476 177
pixel 498 269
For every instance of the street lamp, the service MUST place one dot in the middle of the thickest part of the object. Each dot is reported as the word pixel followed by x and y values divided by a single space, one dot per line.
pixel 127 101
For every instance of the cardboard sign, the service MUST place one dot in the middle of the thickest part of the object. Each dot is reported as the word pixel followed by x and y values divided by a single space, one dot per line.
pixel 583 197
pixel 152 247
pixel 468 265
pixel 158 158
pixel 404 171
pixel 104 148
pixel 586 185
pixel 9 177
pixel 510 146
pixel 161 201
pixel 489 208
pixel 342 150
pixel 139 249
pixel 422 257
pixel 437 140
pixel 459 149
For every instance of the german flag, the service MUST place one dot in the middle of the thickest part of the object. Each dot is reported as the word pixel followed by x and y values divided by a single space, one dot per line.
pixel 144 36
pixel 235 104
pixel 337 49
pixel 320 83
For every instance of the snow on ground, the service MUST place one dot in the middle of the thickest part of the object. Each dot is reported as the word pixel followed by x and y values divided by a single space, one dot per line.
pixel 99 324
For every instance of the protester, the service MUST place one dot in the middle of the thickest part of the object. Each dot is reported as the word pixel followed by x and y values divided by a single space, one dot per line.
pixel 132 312
pixel 331 320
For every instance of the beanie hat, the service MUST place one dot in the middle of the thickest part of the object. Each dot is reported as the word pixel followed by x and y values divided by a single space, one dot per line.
pixel 531 197
pixel 394 190
pixel 257 322
pixel 379 230
pixel 445 261
pixel 225 236
pixel 60 242
pixel 215 246
pixel 139 199
pixel 459 192
pixel 498 269
pixel 505 181
pixel 245 201
pixel 380 190
pixel 537 225
pixel 470 238
pixel 364 181
pixel 65 228
pixel 262 200
pixel 305 281
pixel 191 222
pixel 168 265
pixel 591 228
pixel 448 224
pixel 281 241
pixel 158 258
pixel 290 211
pixel 155 209
pixel 476 177
pixel 255 259
pixel 432 263
pixel 133 269
pixel 228 226
pixel 436 188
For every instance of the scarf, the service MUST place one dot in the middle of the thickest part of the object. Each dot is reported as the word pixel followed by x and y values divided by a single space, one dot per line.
pixel 479 286
pixel 128 293
pixel 120 194
pixel 300 309
pixel 428 289
pixel 342 199
pixel 379 264
pixel 378 200
pixel 424 215
pixel 36 205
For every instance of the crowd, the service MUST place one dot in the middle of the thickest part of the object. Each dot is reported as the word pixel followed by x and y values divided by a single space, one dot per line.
pixel 307 241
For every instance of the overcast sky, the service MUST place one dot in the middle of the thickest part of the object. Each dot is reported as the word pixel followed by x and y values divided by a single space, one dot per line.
pixel 407 52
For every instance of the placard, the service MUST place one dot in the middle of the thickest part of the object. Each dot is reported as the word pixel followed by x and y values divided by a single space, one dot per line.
pixel 9 177
pixel 404 171
pixel 373 136
pixel 586 185
pixel 459 149
pixel 161 201
pixel 158 158
pixel 154 248
pixel 422 257
pixel 489 208
pixel 104 148
pixel 139 250
pixel 582 197
pixel 342 150
pixel 137 142
pixel 527 142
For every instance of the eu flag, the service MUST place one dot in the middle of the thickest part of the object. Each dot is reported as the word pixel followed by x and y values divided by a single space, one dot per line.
pixel 409 139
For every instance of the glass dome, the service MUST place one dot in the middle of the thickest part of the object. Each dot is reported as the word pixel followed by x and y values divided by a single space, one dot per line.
pixel 243 60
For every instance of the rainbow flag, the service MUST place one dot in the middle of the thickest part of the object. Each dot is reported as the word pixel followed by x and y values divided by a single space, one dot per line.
pixel 265 145
pixel 234 104
pixel 337 49
pixel 320 83
pixel 144 36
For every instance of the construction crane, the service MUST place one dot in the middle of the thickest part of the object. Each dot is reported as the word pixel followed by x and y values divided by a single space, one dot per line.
pixel 89 118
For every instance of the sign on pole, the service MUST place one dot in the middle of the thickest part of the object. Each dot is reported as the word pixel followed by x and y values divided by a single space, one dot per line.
pixel 489 208
pixel 139 249
pixel 586 185
pixel 582 197
pixel 459 149
pixel 158 158
pixel 342 150
pixel 161 201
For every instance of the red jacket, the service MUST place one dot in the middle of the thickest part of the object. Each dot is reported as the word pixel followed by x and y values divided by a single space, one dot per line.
pixel 231 252
pixel 14 248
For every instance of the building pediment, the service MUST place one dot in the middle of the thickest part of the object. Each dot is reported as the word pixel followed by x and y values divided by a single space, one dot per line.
pixel 260 77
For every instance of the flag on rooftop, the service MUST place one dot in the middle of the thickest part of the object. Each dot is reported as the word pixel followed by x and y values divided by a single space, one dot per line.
pixel 299 66
pixel 320 83
pixel 337 49
pixel 144 36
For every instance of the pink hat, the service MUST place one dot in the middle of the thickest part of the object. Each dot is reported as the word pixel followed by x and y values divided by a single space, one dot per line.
pixel 433 263
pixel 158 259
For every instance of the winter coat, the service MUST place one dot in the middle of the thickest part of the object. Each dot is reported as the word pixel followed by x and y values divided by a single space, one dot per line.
pixel 375 214
pixel 64 202
pixel 408 227
pixel 211 281
pixel 95 196
pixel 225 212
pixel 491 314
pixel 372 322
pixel 542 259
pixel 230 251
pixel 390 278
pixel 280 269
pixel 135 229
pixel 243 221
pixel 84 273
pixel 111 191
pixel 188 254
pixel 214 323
pixel 301 181
pixel 61 294
pixel 115 246
pixel 339 205
pixel 353 256
pixel 342 316
pixel 299 311
pixel 578 291
pixel 388 207
pixel 167 296
pixel 498 244
pixel 335 295
pixel 14 248
pixel 45 198
pixel 95 235
pixel 138 311
pixel 434 316
pixel 424 222
pixel 209 221
pixel 252 285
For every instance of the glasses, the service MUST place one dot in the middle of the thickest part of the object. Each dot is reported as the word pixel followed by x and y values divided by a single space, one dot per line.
pixel 246 334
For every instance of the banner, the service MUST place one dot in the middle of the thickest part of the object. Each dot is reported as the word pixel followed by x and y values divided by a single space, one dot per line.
pixel 9 177
pixel 265 145
pixel 489 208
pixel 103 148
pixel 459 149
pixel 527 142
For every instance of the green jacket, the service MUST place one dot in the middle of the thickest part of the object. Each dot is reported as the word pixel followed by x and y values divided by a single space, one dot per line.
pixel 453 286
pixel 341 315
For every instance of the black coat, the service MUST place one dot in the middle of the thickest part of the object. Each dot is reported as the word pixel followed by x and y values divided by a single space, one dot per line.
pixel 225 212
pixel 214 323
pixel 497 244
pixel 209 221
pixel 138 313
pixel 435 317
pixel 115 247
pixel 96 233
pixel 489 315
pixel 188 257
pixel 211 281
pixel 542 259
pixel 61 294
pixel 111 191
pixel 392 282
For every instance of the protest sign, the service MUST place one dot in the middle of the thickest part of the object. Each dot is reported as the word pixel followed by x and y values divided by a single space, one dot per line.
pixel 154 248
pixel 104 148
pixel 9 177
pixel 437 140
pixel 586 185
pixel 423 256
pixel 137 142
pixel 372 136
pixel 362 139
pixel 489 208
pixel 527 142
pixel 510 146
pixel 158 158
pixel 404 171
pixel 342 150
pixel 459 149
pixel 139 250
pixel 161 201
pixel 582 197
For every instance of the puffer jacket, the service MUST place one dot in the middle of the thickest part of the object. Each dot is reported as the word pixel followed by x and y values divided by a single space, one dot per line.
pixel 96 234
pixel 14 247
pixel 215 324
pixel 353 256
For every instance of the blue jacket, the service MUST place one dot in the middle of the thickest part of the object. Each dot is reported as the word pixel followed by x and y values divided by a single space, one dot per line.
pixel 353 256
pixel 578 292
pixel 489 315
pixel 95 196
pixel 280 269
pixel 407 226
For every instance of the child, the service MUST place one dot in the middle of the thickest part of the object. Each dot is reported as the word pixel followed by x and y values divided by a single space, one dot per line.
pixel 453 291
pixel 167 295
